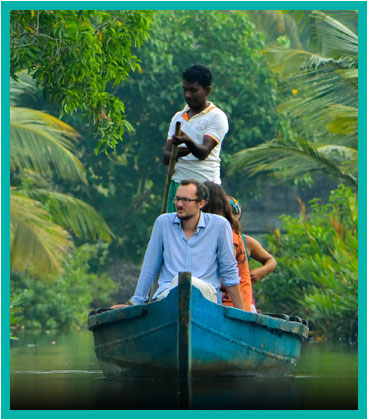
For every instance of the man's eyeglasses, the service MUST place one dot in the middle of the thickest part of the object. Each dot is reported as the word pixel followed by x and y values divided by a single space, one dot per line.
pixel 184 200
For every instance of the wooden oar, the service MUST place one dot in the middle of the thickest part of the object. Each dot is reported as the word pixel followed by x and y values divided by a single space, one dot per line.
pixel 170 171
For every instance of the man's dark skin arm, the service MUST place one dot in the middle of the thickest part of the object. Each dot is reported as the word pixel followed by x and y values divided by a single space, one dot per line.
pixel 200 151
pixel 182 151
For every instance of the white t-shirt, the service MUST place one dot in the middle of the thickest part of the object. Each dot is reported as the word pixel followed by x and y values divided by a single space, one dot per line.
pixel 210 122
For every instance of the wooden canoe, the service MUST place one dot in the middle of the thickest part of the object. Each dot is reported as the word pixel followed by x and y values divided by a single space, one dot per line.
pixel 186 335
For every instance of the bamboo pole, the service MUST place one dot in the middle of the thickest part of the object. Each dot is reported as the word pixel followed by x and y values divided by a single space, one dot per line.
pixel 170 171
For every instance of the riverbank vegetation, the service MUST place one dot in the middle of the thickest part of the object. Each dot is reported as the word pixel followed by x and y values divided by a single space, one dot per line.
pixel 92 94
pixel 317 274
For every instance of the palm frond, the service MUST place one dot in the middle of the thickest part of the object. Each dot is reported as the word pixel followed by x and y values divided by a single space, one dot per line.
pixel 275 23
pixel 334 151
pixel 73 214
pixel 294 160
pixel 31 179
pixel 23 85
pixel 321 115
pixel 350 166
pixel 334 35
pixel 323 107
pixel 41 142
pixel 348 73
pixel 342 120
pixel 329 31
pixel 287 62
pixel 37 245
pixel 327 83
pixel 324 100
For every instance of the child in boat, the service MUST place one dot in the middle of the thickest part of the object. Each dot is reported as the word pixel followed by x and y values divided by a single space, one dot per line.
pixel 254 250
pixel 218 204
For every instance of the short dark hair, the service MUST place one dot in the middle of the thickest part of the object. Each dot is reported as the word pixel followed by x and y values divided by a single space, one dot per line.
pixel 198 73
pixel 202 191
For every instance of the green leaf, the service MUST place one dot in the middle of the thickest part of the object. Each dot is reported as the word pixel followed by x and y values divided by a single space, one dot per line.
pixel 37 245
pixel 74 214
pixel 42 143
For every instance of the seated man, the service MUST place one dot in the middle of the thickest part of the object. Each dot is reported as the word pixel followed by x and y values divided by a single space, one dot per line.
pixel 191 241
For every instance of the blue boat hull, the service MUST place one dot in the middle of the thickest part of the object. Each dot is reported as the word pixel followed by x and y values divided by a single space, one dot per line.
pixel 143 340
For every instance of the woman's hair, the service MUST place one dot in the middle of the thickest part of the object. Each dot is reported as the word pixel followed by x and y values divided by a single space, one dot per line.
pixel 218 203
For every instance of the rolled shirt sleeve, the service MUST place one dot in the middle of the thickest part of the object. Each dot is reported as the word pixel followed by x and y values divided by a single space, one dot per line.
pixel 152 264
pixel 227 264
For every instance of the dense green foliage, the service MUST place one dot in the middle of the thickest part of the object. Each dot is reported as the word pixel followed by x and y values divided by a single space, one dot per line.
pixel 317 273
pixel 128 186
pixel 62 302
pixel 49 290
pixel 42 152
pixel 322 106
pixel 55 184
pixel 75 55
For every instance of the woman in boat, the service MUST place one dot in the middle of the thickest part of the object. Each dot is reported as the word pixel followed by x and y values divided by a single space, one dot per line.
pixel 254 250
pixel 218 204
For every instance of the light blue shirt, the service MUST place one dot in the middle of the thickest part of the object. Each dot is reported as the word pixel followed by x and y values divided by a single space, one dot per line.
pixel 208 255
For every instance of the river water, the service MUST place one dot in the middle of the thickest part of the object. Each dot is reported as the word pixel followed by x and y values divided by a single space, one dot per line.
pixel 62 373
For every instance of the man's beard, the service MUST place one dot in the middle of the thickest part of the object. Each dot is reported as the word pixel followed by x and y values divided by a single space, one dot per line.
pixel 185 217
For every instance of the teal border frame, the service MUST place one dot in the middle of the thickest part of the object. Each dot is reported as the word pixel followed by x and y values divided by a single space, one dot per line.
pixel 6 413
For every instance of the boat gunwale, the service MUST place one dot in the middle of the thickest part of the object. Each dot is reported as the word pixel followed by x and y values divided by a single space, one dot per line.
pixel 262 320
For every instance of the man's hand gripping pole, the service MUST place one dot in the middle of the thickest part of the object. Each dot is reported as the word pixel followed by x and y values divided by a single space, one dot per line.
pixel 170 171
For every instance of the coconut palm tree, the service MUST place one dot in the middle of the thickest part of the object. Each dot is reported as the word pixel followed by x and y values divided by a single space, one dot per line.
pixel 322 105
pixel 40 218
pixel 275 24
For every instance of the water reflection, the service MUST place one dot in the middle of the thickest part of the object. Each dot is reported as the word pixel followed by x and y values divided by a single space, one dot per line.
pixel 66 375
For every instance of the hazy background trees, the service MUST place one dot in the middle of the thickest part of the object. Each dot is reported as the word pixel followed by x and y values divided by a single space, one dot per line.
pixel 322 106
pixel 288 83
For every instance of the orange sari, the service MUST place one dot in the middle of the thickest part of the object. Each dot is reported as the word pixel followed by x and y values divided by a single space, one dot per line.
pixel 243 267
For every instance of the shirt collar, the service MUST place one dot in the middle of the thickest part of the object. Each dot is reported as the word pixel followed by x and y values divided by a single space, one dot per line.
pixel 201 223
pixel 205 111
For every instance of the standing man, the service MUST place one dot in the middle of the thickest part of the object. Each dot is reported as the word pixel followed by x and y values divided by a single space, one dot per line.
pixel 189 240
pixel 203 129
